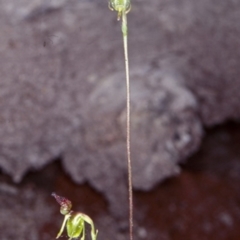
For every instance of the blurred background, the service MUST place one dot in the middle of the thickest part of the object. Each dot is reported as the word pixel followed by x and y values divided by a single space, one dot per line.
pixel 62 118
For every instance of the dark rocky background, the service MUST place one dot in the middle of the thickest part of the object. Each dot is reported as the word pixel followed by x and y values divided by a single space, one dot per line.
pixel 62 111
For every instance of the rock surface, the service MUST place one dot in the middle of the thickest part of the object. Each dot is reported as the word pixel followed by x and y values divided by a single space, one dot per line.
pixel 201 202
pixel 62 87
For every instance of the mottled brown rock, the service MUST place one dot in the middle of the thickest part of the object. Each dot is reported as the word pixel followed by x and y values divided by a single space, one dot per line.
pixel 165 129
pixel 62 87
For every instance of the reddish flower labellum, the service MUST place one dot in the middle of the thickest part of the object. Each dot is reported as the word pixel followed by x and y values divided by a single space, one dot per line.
pixel 65 204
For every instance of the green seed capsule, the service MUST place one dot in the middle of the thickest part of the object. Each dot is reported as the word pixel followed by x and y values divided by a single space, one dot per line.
pixel 120 6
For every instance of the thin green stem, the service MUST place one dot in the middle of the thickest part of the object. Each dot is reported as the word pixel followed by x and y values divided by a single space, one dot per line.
pixel 128 128
pixel 123 7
